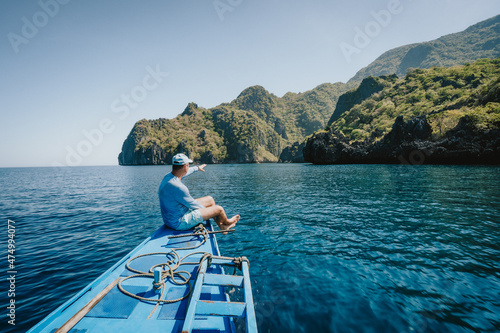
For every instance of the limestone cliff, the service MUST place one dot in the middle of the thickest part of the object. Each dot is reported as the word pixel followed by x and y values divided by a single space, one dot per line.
pixel 438 115
pixel 481 40
pixel 409 143
pixel 254 128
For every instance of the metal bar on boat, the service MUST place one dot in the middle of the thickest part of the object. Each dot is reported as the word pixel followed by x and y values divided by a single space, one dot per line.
pixel 250 318
pixel 195 296
pixel 201 234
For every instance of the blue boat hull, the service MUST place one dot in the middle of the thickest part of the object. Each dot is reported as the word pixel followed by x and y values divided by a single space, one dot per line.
pixel 116 312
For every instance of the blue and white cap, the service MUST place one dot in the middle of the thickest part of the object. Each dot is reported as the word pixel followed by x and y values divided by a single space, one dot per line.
pixel 181 159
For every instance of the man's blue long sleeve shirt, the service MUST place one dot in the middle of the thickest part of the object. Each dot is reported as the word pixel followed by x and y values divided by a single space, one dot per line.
pixel 175 200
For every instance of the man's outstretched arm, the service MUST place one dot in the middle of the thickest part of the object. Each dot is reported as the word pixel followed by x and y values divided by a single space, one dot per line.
pixel 193 169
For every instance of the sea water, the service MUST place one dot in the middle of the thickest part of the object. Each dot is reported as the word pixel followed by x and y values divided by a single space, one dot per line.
pixel 340 248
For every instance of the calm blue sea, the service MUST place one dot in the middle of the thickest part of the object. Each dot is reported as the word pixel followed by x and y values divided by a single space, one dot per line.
pixel 354 248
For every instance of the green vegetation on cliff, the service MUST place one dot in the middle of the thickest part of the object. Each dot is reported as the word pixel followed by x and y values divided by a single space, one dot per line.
pixel 193 130
pixel 255 127
pixel 368 86
pixel 443 95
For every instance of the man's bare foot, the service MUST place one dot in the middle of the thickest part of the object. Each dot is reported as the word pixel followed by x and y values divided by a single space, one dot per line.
pixel 233 220
pixel 229 224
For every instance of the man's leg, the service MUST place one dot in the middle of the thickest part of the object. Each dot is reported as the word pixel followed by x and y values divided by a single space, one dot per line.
pixel 207 201
pixel 219 215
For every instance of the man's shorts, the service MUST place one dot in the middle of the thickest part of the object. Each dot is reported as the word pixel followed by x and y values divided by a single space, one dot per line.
pixel 190 220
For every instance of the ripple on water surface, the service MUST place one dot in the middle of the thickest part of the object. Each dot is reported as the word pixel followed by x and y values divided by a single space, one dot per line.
pixel 332 248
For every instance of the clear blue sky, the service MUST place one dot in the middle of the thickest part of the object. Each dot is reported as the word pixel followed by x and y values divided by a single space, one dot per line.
pixel 69 68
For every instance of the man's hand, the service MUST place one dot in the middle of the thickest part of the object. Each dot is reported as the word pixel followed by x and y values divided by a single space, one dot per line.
pixel 201 167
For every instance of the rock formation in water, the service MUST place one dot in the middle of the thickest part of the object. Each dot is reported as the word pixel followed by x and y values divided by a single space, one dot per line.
pixel 261 127
pixel 254 128
pixel 438 115
pixel 409 143
pixel 293 154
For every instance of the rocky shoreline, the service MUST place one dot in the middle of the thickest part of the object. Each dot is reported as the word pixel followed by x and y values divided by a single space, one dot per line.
pixel 408 143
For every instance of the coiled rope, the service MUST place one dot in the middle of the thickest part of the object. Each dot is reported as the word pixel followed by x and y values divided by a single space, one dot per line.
pixel 170 268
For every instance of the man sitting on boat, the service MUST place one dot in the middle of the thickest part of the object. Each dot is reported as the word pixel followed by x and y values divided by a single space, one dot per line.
pixel 178 208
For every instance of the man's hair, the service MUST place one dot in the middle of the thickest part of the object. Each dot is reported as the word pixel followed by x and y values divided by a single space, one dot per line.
pixel 176 167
